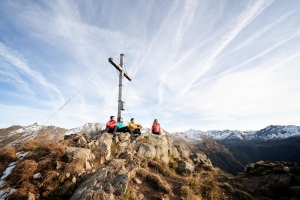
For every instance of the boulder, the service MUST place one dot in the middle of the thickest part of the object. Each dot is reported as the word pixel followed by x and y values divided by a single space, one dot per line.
pixel 120 183
pixel 161 145
pixel 199 158
pixel 184 153
pixel 104 146
pixel 174 152
pixel 77 153
pixel 92 189
pixel 146 151
pixel 81 142
pixel 124 137
pixel 184 166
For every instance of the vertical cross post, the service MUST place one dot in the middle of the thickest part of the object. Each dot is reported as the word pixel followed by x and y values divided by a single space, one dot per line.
pixel 121 69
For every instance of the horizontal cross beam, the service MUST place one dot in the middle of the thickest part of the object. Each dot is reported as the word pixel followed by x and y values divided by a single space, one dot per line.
pixel 119 68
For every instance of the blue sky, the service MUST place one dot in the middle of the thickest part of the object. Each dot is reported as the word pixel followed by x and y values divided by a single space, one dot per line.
pixel 195 64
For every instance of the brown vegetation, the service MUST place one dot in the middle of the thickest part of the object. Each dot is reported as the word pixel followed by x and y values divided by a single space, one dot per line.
pixel 7 156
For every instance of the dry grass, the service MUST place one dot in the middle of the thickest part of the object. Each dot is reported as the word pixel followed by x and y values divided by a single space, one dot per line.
pixel 23 172
pixel 130 194
pixel 187 193
pixel 7 156
pixel 76 166
pixel 30 145
pixel 157 181
pixel 242 195
pixel 227 187
pixel 49 177
pixel 23 191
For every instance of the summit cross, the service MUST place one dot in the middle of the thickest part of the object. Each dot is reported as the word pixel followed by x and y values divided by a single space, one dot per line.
pixel 121 69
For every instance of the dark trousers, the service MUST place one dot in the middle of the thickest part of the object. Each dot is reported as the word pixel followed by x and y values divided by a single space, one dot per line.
pixel 136 131
pixel 111 130
pixel 124 129
pixel 156 133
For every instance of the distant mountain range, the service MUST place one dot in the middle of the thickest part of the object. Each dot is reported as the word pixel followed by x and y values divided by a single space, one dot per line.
pixel 232 150
pixel 272 132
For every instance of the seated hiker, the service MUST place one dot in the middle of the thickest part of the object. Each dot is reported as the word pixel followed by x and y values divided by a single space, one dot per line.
pixel 156 128
pixel 122 127
pixel 134 128
pixel 111 125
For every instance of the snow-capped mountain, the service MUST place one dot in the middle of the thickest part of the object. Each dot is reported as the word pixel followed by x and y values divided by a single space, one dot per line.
pixel 18 134
pixel 269 133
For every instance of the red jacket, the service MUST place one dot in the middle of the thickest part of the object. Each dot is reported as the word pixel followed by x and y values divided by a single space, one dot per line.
pixel 156 128
pixel 111 123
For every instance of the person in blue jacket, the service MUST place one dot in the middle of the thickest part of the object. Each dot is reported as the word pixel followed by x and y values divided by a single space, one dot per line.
pixel 121 127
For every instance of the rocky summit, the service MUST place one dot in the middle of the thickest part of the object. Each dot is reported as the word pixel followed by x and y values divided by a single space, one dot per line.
pixel 98 165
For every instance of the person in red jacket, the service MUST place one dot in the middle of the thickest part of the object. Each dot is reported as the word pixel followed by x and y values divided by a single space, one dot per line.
pixel 111 125
pixel 156 128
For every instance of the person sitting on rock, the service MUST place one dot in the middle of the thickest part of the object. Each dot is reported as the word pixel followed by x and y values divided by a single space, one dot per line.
pixel 134 128
pixel 111 125
pixel 122 127
pixel 156 128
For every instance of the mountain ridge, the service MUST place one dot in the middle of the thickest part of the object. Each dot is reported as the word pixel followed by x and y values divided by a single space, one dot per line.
pixel 271 132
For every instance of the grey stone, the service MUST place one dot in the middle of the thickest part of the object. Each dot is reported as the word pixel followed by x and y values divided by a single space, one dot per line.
pixel 186 167
pixel 77 153
pixel 120 183
pixel 146 151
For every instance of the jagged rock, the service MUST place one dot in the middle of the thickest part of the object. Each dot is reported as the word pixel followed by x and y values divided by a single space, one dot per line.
pixel 184 153
pixel 134 145
pixel 161 145
pixel 81 142
pixel 91 188
pixel 174 152
pixel 186 167
pixel 76 153
pixel 122 146
pixel 30 196
pixel 104 147
pixel 120 183
pixel 124 137
pixel 92 144
pixel 170 139
pixel 146 151
pixel 249 167
pixel 199 158
pixel 116 164
pixel 88 165
pixel 127 155
pixel 107 187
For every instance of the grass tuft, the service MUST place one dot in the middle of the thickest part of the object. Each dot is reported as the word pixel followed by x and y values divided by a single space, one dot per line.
pixel 163 185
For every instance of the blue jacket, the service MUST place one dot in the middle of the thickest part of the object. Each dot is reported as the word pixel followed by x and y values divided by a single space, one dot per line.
pixel 120 125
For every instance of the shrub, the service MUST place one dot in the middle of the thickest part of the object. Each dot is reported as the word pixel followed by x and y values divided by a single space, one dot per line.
pixel 23 172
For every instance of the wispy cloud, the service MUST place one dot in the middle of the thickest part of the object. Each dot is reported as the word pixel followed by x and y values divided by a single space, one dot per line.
pixel 226 36
pixel 16 60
